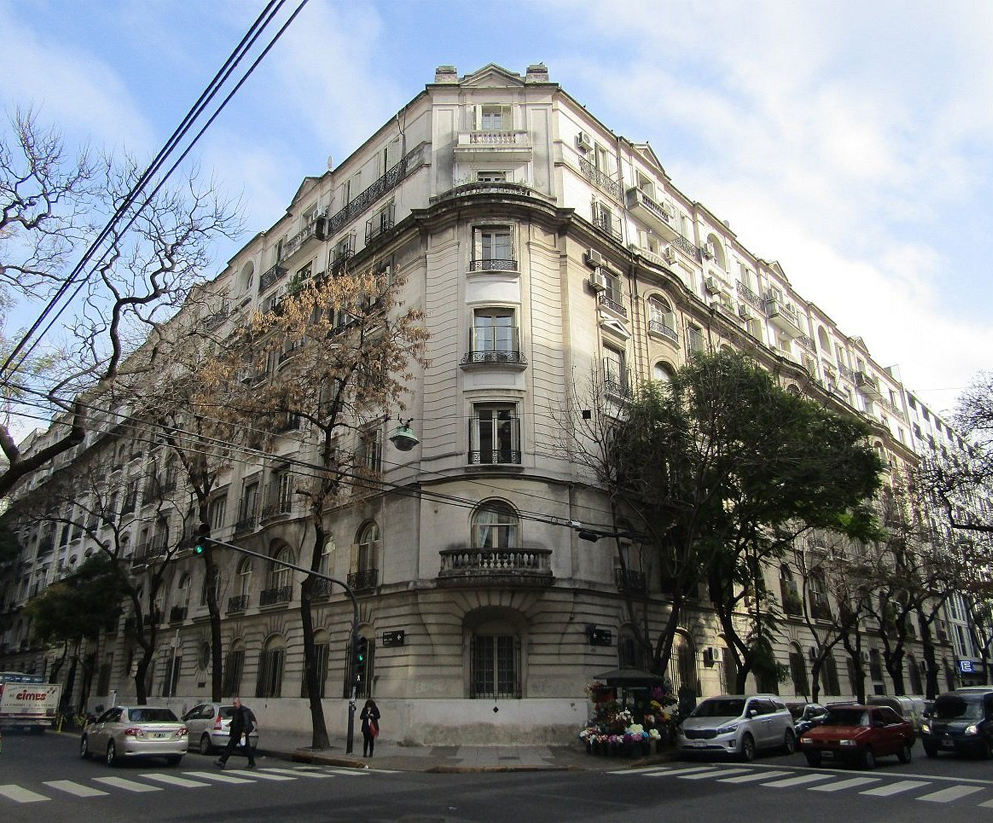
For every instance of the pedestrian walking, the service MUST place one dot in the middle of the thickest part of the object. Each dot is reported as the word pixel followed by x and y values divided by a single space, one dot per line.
pixel 243 723
pixel 370 727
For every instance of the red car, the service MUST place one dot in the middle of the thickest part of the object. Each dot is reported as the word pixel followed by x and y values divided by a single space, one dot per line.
pixel 858 735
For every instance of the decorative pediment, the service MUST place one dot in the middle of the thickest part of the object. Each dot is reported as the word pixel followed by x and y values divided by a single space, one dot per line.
pixel 614 327
pixel 492 76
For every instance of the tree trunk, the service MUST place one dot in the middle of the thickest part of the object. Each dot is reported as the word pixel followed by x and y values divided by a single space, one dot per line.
pixel 815 678
pixel 216 651
pixel 930 660
pixel 319 735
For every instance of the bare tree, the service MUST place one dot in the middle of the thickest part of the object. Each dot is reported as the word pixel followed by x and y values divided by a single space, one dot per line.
pixel 142 272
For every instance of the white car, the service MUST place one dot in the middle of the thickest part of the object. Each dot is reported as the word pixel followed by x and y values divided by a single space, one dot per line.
pixel 737 725
pixel 127 732
pixel 210 727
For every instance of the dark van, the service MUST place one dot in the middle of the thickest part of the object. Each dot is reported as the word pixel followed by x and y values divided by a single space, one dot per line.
pixel 962 721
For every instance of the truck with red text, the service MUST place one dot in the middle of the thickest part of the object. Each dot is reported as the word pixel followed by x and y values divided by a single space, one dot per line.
pixel 27 702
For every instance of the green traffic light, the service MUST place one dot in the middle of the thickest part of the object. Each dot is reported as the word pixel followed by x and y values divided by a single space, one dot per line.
pixel 203 535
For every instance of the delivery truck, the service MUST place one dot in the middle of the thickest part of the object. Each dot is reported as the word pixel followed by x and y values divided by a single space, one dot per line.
pixel 27 701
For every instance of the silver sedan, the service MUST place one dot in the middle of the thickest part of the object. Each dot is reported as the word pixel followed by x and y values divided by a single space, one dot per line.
pixel 126 732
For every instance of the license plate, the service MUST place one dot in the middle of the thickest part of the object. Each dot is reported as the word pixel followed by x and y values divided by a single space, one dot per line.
pixel 828 754
pixel 948 744
pixel 160 735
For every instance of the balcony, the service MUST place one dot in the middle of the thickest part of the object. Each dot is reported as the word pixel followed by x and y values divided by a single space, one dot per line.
pixel 806 343
pixel 792 604
pixel 386 183
pixel 608 301
pixel 274 509
pixel 696 343
pixel 321 589
pixel 652 214
pixel 602 181
pixel 314 230
pixel 499 456
pixel 607 223
pixel 340 260
pixel 380 224
pixel 276 596
pixel 363 581
pixel 749 296
pixel 630 581
pixel 177 614
pixel 820 609
pixel 238 603
pixel 271 277
pixel 867 385
pixel 617 384
pixel 783 316
pixel 493 264
pixel 248 523
pixel 489 346
pixel 153 618
pixel 493 146
pixel 495 567
pixel 846 372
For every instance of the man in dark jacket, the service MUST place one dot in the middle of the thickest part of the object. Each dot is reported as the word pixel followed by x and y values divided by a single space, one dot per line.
pixel 243 723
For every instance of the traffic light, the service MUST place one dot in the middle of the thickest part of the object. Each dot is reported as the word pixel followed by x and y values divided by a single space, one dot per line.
pixel 203 535
pixel 361 654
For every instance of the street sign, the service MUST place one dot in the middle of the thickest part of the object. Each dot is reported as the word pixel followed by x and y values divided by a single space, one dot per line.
pixel 393 638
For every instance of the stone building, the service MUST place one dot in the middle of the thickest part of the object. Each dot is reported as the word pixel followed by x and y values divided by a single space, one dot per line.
pixel 544 248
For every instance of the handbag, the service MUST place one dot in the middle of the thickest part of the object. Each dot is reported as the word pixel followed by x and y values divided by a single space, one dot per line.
pixel 374 728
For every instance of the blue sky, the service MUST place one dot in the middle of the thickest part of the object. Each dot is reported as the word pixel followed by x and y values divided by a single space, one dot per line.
pixel 851 141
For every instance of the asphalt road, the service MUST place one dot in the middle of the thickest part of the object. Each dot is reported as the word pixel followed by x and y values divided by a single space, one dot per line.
pixel 43 779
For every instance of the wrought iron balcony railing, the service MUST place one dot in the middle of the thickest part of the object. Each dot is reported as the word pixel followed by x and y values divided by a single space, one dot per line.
pixel 602 181
pixel 609 302
pixel 493 264
pixel 238 603
pixel 660 328
pixel 177 614
pixel 363 580
pixel 629 580
pixel 271 276
pixel 275 596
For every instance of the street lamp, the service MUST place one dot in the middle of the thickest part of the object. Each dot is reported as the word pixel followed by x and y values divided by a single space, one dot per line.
pixel 403 436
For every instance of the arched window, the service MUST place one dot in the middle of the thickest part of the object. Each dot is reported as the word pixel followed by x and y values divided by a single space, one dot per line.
pixel 789 591
pixel 234 666
pixel 715 247
pixel 245 577
pixel 247 276
pixel 661 318
pixel 270 681
pixel 663 372
pixel 495 525
pixel 280 577
pixel 823 341
pixel 682 667
pixel 364 565
pixel 798 671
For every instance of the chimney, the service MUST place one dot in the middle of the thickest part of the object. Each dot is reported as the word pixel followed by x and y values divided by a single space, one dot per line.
pixel 537 73
pixel 447 75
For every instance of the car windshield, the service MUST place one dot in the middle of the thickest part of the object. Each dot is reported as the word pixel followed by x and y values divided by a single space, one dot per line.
pixel 151 716
pixel 953 707
pixel 730 707
pixel 226 711
pixel 847 717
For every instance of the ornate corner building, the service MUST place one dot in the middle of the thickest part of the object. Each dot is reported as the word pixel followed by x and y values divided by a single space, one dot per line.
pixel 544 249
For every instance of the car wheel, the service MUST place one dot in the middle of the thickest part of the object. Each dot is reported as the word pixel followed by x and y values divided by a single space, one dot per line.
pixel 205 745
pixel 985 750
pixel 868 758
pixel 174 759
pixel 789 742
pixel 931 751
pixel 813 759
pixel 747 748
pixel 84 747
pixel 111 754
pixel 904 755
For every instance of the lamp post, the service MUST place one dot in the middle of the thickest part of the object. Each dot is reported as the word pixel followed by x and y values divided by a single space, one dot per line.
pixel 203 536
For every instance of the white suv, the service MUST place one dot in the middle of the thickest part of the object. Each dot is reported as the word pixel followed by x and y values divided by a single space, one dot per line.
pixel 738 725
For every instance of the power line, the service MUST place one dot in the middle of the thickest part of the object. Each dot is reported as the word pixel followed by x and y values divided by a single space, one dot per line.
pixel 206 96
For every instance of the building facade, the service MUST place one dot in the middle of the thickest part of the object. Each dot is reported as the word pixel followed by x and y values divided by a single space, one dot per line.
pixel 544 249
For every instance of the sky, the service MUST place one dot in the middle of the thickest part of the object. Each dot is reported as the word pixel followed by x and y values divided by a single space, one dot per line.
pixel 850 141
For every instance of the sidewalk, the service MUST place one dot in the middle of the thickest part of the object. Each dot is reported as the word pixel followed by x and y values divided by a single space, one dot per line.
pixel 295 746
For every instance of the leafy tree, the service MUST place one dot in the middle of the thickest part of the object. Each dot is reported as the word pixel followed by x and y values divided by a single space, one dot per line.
pixel 343 347
pixel 726 469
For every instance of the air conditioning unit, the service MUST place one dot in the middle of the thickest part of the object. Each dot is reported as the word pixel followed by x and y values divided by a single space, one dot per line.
pixel 744 312
pixel 669 254
pixel 711 285
pixel 594 259
pixel 598 281
pixel 584 142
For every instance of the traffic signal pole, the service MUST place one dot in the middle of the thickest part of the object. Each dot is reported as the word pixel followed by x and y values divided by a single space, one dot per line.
pixel 203 535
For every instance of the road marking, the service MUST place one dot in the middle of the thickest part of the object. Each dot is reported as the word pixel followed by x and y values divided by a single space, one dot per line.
pixel 19 795
pixel 220 778
pixel 691 770
pixel 127 785
pixel 77 789
pixel 896 788
pixel 724 773
pixel 797 781
pixel 350 772
pixel 296 772
pixel 748 778
pixel 642 770
pixel 172 780
pixel 953 793
pixel 845 784
pixel 260 774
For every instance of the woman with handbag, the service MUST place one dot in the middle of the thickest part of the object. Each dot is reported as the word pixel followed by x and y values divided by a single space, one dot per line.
pixel 370 727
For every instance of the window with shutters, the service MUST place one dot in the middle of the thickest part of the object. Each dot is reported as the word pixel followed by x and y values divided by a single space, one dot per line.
pixel 271 660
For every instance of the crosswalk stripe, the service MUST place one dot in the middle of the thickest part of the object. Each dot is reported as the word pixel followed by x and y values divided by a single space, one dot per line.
pixel 127 785
pixel 219 777
pixel 21 795
pixel 953 793
pixel 705 775
pixel 749 778
pixel 296 772
pixel 691 770
pixel 851 783
pixel 361 772
pixel 895 788
pixel 75 789
pixel 642 770
pixel 798 781
pixel 256 773
pixel 172 780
